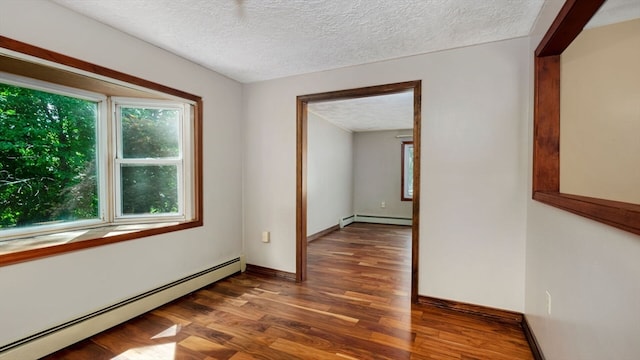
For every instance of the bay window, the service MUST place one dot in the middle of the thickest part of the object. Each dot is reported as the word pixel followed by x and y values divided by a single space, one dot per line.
pixel 90 156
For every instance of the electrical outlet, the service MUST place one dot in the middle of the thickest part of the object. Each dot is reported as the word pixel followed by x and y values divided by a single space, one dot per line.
pixel 383 204
pixel 548 302
pixel 266 236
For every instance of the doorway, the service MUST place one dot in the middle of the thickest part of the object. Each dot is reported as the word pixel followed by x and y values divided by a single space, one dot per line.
pixel 301 167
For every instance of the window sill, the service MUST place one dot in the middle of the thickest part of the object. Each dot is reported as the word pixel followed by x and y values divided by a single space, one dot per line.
pixel 618 214
pixel 36 247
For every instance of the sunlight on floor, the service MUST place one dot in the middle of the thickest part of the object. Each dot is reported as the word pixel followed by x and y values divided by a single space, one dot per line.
pixel 160 352
pixel 172 331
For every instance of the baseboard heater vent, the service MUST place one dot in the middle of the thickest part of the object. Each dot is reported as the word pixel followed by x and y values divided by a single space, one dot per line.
pixel 382 220
pixel 61 336
pixel 347 220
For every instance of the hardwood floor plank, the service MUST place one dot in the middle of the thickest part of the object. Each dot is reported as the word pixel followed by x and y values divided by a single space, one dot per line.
pixel 294 348
pixel 86 349
pixel 207 347
pixel 355 305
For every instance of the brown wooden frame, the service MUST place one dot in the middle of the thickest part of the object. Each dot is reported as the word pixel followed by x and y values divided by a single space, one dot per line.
pixel 403 147
pixel 301 168
pixel 573 16
pixel 24 48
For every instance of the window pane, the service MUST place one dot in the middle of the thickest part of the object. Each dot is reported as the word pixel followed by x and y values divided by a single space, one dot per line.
pixel 149 189
pixel 150 133
pixel 407 170
pixel 47 158
pixel 409 165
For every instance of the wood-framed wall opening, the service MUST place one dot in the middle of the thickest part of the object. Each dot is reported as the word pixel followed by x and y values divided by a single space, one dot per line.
pixel 301 167
pixel 570 21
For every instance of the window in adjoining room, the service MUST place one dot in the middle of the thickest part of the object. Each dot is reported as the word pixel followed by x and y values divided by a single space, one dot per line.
pixel 407 171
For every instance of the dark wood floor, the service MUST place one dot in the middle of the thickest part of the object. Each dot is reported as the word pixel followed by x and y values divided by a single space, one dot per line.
pixel 355 305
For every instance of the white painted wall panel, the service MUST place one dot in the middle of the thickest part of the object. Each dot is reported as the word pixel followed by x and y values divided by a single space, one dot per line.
pixel 377 174
pixel 39 294
pixel 329 174
pixel 472 221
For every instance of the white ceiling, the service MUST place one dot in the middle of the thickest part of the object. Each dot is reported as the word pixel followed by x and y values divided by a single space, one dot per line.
pixel 384 112
pixel 254 40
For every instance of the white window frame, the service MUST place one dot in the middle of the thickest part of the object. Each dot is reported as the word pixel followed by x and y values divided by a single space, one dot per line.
pixel 182 162
pixel 101 148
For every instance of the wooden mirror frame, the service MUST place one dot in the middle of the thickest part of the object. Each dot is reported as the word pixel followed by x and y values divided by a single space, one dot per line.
pixel 571 19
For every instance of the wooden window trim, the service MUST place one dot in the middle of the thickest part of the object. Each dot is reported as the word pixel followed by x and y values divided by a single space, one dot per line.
pixel 102 72
pixel 571 19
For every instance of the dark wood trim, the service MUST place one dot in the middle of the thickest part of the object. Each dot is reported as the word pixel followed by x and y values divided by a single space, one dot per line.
pixel 360 92
pixel 268 272
pixel 417 165
pixel 573 16
pixel 27 255
pixel 301 167
pixel 571 19
pixel 301 190
pixel 471 309
pixel 403 148
pixel 322 233
pixel 546 144
pixel 58 58
pixel 624 216
pixel 198 161
pixel 536 350
pixel 38 253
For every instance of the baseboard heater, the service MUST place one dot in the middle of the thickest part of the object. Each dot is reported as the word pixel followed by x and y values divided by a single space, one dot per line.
pixel 375 220
pixel 347 220
pixel 61 336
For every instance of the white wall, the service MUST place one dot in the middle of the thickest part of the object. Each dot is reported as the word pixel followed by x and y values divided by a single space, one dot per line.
pixel 600 114
pixel 474 116
pixel 591 271
pixel 377 174
pixel 38 294
pixel 329 174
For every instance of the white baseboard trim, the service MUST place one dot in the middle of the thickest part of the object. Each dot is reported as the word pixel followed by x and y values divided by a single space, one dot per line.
pixel 59 337
pixel 383 220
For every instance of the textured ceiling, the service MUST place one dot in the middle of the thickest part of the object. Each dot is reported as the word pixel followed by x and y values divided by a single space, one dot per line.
pixel 392 112
pixel 384 112
pixel 253 40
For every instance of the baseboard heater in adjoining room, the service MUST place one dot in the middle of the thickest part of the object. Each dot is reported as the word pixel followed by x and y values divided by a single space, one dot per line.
pixel 347 220
pixel 63 335
pixel 375 219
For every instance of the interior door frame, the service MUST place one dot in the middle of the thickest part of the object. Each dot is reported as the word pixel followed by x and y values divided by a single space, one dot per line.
pixel 301 167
